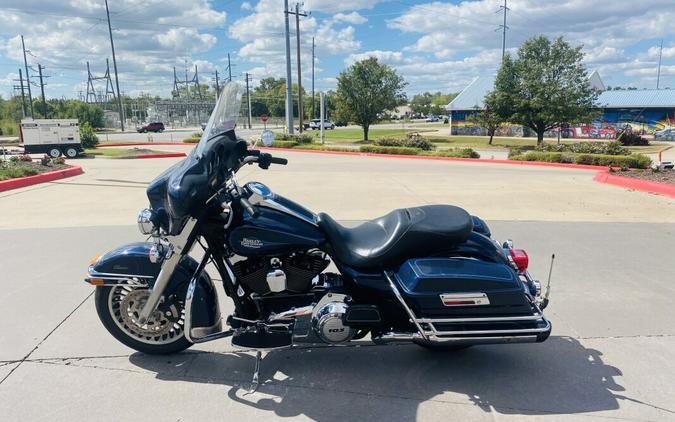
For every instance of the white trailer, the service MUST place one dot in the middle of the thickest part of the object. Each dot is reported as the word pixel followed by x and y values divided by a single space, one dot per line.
pixel 51 136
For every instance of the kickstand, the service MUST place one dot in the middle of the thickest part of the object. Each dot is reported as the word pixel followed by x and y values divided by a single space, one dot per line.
pixel 256 373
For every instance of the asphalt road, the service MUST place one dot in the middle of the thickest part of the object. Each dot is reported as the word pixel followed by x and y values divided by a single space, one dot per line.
pixel 611 355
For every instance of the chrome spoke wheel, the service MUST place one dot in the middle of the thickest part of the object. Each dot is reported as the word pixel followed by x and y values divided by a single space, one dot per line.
pixel 165 325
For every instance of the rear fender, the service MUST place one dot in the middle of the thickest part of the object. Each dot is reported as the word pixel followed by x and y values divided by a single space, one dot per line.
pixel 130 264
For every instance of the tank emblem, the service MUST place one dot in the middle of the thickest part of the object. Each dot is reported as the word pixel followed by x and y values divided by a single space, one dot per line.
pixel 251 243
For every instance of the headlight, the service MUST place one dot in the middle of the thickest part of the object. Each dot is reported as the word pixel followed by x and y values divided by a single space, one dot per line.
pixel 145 224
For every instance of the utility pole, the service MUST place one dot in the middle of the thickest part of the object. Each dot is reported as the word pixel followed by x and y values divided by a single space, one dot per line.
pixel 23 97
pixel 289 82
pixel 229 68
pixel 25 64
pixel 217 85
pixel 248 99
pixel 297 38
pixel 117 81
pixel 313 57
pixel 42 90
pixel 503 27
pixel 658 73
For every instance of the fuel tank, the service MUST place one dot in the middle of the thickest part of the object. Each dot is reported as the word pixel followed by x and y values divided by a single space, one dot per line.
pixel 281 226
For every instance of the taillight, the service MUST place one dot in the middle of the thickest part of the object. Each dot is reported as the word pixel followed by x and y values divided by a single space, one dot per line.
pixel 520 258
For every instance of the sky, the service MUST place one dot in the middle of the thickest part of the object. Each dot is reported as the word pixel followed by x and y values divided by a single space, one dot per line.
pixel 435 46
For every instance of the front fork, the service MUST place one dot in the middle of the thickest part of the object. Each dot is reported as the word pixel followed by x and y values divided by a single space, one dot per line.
pixel 179 246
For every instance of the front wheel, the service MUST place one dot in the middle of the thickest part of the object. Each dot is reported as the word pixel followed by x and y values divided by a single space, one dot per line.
pixel 118 308
pixel 54 152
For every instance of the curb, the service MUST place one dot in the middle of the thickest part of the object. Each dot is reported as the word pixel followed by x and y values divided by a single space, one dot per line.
pixel 133 144
pixel 658 188
pixel 430 157
pixel 167 155
pixel 22 182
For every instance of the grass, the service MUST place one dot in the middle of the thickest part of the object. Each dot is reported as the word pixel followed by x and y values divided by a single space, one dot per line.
pixel 355 135
pixel 119 152
pixel 14 172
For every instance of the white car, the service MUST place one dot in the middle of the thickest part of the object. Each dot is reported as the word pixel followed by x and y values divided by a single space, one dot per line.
pixel 315 124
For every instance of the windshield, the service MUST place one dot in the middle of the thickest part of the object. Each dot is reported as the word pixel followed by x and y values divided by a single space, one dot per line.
pixel 224 115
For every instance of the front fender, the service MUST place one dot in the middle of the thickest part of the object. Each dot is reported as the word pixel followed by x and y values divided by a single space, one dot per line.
pixel 132 262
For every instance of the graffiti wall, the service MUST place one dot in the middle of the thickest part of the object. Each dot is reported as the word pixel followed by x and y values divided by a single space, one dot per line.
pixel 644 121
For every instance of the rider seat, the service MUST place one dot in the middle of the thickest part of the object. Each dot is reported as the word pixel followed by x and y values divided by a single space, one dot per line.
pixel 388 241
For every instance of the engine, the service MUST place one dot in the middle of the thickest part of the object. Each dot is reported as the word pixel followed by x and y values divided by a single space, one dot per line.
pixel 289 273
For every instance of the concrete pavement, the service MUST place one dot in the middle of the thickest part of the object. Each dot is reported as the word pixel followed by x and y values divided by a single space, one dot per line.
pixel 610 356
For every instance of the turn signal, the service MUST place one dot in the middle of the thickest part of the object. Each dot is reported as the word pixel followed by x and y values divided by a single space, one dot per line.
pixel 95 259
pixel 520 258
pixel 96 282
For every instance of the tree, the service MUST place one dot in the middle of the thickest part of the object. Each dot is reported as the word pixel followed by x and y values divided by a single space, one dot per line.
pixel 366 89
pixel 430 103
pixel 544 86
pixel 488 119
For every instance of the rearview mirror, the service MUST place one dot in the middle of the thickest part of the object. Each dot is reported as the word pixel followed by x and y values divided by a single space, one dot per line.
pixel 267 138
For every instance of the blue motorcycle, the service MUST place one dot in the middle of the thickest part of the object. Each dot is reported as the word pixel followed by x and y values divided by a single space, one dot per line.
pixel 429 275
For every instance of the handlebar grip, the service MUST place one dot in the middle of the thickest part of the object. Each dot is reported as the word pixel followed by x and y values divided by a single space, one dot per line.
pixel 279 160
pixel 248 207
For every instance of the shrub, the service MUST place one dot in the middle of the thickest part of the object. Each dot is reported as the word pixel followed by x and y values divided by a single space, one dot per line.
pixel 412 140
pixel 461 153
pixel 631 139
pixel 376 149
pixel 631 161
pixel 586 147
pixel 87 136
pixel 191 140
pixel 14 172
pixel 284 144
pixel 18 158
pixel 300 138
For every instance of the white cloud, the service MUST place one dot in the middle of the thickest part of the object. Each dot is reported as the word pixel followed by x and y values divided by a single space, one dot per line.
pixel 329 6
pixel 151 37
pixel 354 18
pixel 246 6
pixel 466 30
pixel 262 33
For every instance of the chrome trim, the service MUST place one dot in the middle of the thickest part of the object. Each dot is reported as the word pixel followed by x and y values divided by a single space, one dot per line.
pixel 393 337
pixel 291 313
pixel 144 221
pixel 412 316
pixel 276 280
pixel 442 334
pixel 96 274
pixel 178 243
pixel 478 298
pixel 116 281
pixel 481 319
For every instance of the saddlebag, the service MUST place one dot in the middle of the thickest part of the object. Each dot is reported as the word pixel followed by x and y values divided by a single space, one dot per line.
pixel 470 300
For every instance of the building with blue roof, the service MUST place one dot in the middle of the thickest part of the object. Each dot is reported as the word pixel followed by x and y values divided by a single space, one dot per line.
pixel 644 110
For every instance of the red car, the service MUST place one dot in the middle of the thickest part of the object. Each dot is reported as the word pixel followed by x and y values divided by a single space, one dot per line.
pixel 151 127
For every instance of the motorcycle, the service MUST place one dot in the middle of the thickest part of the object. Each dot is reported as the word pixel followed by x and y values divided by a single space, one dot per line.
pixel 430 275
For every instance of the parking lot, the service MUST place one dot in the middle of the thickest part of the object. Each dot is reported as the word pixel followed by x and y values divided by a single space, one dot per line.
pixel 611 354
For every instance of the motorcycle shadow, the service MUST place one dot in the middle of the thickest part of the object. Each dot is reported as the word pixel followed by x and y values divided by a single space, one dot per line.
pixel 560 376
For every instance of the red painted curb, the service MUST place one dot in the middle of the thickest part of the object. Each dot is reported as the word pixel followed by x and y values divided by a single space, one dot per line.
pixel 132 144
pixel 665 189
pixel 431 157
pixel 167 155
pixel 22 182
